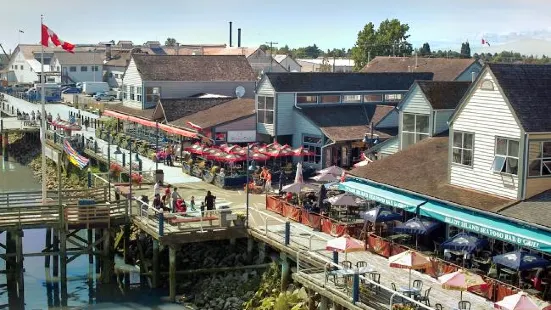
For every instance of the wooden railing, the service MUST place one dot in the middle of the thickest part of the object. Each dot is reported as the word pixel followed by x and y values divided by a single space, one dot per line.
pixel 16 199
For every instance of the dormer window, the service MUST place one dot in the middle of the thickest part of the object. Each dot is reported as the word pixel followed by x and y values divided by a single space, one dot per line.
pixel 487 85
pixel 506 156
pixel 539 154
pixel 415 127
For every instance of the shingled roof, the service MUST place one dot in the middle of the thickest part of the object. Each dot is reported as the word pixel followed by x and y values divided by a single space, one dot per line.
pixel 444 69
pixel 423 168
pixel 196 68
pixel 528 90
pixel 177 108
pixel 322 81
pixel 225 112
pixel 348 122
pixel 443 95
pixel 79 58
pixel 533 210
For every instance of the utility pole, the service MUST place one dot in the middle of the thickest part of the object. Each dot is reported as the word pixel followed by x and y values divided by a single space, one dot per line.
pixel 271 52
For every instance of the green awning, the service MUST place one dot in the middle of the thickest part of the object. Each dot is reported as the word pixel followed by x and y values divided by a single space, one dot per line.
pixel 493 227
pixel 385 196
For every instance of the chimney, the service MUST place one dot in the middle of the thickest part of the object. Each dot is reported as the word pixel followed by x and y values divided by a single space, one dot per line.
pixel 177 48
pixel 238 37
pixel 230 34
pixel 107 51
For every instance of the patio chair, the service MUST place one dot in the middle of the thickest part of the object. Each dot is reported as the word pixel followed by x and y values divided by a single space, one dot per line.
pixel 425 298
pixel 464 305
pixel 346 264
pixel 361 264
pixel 393 285
pixel 438 307
pixel 418 284
pixel 375 277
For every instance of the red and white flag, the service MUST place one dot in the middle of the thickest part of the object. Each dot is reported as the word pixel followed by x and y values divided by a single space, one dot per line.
pixel 485 42
pixel 48 35
pixel 195 126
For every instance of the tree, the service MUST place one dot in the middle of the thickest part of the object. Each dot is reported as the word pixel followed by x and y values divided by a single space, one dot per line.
pixel 284 50
pixel 264 47
pixel 325 65
pixel 170 42
pixel 465 50
pixel 389 39
pixel 425 50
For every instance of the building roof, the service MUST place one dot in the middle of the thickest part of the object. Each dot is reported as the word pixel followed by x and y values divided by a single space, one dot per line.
pixel 443 95
pixel 194 68
pixel 241 51
pixel 321 81
pixel 444 69
pixel 423 168
pixel 177 108
pixel 532 210
pixel 146 114
pixel 219 114
pixel 79 58
pixel 347 122
pixel 528 90
pixel 338 62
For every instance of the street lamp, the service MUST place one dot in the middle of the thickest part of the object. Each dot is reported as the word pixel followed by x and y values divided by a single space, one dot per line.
pixel 250 167
pixel 130 177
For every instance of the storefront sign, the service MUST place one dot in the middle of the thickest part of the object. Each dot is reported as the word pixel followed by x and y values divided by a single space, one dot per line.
pixel 381 199
pixel 241 136
pixel 493 233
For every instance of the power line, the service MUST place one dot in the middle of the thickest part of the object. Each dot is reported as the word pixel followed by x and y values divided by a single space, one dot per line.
pixel 271 51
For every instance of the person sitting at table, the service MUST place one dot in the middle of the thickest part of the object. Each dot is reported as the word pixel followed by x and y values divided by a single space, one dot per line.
pixel 536 280
pixel 288 197
pixel 181 206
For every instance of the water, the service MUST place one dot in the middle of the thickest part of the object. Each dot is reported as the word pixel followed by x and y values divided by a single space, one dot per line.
pixel 83 289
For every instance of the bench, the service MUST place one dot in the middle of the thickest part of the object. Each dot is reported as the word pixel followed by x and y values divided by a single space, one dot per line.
pixel 184 220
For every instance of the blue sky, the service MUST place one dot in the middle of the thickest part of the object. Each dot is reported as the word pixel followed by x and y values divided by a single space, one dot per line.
pixel 296 23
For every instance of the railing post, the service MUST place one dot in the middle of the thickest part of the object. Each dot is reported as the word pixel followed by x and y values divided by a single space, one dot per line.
pixel 96 147
pixel 161 223
pixel 89 178
pixel 335 257
pixel 287 233
pixel 356 288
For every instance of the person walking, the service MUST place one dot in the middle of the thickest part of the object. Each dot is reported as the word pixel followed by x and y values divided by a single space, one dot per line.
pixel 157 188
pixel 209 202
pixel 192 203
pixel 166 196
pixel 268 185
pixel 175 196
pixel 86 124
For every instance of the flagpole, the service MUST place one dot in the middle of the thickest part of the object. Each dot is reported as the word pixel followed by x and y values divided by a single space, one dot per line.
pixel 43 119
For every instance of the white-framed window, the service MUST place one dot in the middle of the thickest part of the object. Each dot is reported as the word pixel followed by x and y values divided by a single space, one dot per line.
pixel 139 93
pixel 506 156
pixel 132 91
pixel 487 85
pixel 83 68
pixel 313 144
pixel 330 99
pixel 539 159
pixel 265 110
pixel 415 127
pixel 393 97
pixel 73 69
pixel 22 68
pixel 151 94
pixel 95 68
pixel 307 98
pixel 373 98
pixel 351 98
pixel 462 148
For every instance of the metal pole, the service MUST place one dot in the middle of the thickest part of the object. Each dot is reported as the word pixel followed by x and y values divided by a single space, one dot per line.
pixel 247 185
pixel 130 177
pixel 43 120
pixel 109 164
pixel 156 145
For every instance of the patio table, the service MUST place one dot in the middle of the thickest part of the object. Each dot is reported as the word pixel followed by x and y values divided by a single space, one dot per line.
pixel 410 291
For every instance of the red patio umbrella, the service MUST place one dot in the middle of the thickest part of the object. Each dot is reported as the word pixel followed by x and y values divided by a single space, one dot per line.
pixel 258 156
pixel 209 151
pixel 301 151
pixel 282 152
pixel 231 158
pixel 216 155
pixel 224 147
pixel 196 148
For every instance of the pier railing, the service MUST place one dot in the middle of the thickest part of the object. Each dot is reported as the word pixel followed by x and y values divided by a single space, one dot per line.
pixel 23 199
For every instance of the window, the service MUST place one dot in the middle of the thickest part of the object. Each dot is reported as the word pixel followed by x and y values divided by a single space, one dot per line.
pixel 415 127
pixel 139 93
pixel 307 99
pixel 132 91
pixel 352 98
pixel 73 69
pixel 373 98
pixel 265 110
pixel 506 156
pixel 111 75
pixel 220 136
pixel 152 94
pixel 58 68
pixel 330 99
pixel 21 67
pixel 393 97
pixel 95 68
pixel 313 144
pixel 83 68
pixel 487 85
pixel 462 148
pixel 539 155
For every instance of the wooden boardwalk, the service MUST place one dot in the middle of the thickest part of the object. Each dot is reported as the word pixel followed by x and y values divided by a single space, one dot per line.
pixel 11 124
pixel 270 228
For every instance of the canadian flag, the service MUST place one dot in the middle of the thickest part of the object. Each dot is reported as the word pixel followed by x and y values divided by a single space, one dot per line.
pixel 48 35
pixel 485 42
pixel 195 126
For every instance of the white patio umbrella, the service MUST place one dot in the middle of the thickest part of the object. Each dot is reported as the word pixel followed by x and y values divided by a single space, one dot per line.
pixel 296 188
pixel 518 301
pixel 332 170
pixel 298 175
pixel 325 177
pixel 345 199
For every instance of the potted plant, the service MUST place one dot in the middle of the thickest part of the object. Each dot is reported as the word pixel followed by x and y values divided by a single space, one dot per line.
pixel 240 220
pixel 402 307
pixel 137 179
pixel 115 170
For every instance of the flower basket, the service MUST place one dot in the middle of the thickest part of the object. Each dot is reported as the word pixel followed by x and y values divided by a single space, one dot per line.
pixel 137 179
pixel 115 169
pixel 403 307
pixel 240 220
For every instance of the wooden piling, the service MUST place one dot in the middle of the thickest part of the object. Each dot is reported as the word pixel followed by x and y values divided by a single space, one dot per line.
pixel 63 264
pixel 108 268
pixel 172 272
pixel 98 237
pixel 90 253
pixel 48 248
pixel 5 146
pixel 285 271
pixel 155 263
pixel 19 259
pixel 55 267
pixel 126 243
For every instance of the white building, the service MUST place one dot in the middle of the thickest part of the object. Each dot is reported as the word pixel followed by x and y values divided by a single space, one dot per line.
pixel 24 65
pixel 78 66
pixel 333 64
pixel 288 63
